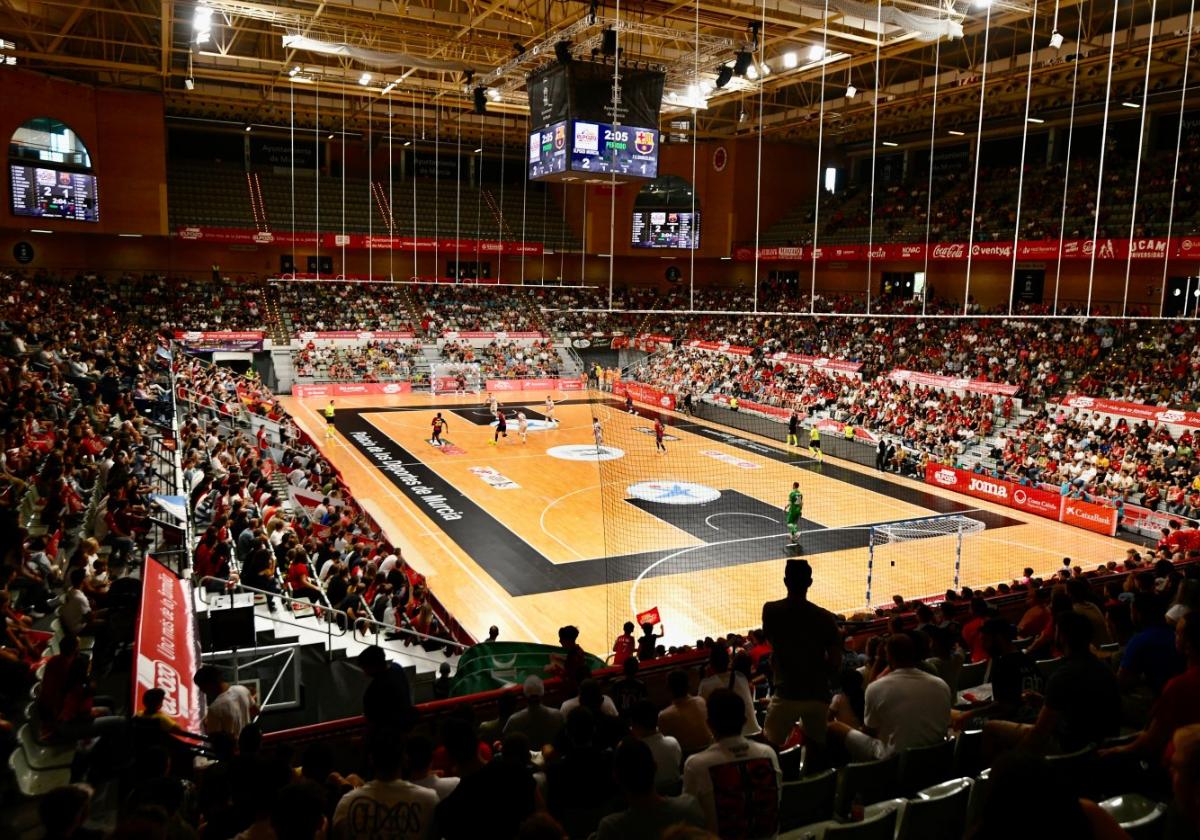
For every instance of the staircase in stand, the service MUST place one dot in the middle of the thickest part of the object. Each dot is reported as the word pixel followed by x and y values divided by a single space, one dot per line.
pixel 385 206
pixel 257 207
pixel 498 214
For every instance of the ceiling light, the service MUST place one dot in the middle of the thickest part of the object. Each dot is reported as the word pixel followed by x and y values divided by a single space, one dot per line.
pixel 789 61
pixel 816 53
pixel 1130 105
pixel 202 23
pixel 364 79
pixel 706 86
pixel 493 94
pixel 851 91
pixel 1056 40
pixel 1037 120
pixel 983 4
pixel 388 88
pixel 693 90
pixel 479 150
pixel 190 84
pixel 39 230
pixel 955 133
pixel 130 235
pixel 248 127
pixel 751 72
pixel 766 69
pixel 293 71
pixel 329 136
pixel 890 144
pixel 407 142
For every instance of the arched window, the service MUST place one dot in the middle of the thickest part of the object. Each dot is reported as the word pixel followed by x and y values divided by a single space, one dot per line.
pixel 47 140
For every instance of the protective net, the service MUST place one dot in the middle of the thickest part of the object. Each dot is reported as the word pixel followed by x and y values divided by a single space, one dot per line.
pixel 940 539
pixel 457 378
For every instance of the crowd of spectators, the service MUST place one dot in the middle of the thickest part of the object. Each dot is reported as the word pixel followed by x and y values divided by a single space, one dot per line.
pixel 458 308
pixel 376 361
pixel 333 307
pixel 506 359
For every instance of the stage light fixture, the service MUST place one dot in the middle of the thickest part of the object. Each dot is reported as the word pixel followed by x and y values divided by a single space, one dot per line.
pixel 851 91
pixel 816 53
pixel 789 61
pixel 364 79
pixel 1056 40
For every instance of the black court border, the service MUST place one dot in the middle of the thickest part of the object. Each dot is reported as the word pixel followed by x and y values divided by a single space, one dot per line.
pixel 522 570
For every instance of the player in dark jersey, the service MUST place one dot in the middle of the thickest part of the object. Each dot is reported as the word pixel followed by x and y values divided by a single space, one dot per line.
pixel 501 427
pixel 438 423
pixel 794 429
pixel 659 446
pixel 629 404
pixel 687 402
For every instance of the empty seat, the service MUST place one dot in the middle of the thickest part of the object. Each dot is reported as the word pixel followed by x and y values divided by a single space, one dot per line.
pixel 921 767
pixel 866 781
pixel 808 800
pixel 1141 818
pixel 938 812
pixel 972 674
pixel 968 753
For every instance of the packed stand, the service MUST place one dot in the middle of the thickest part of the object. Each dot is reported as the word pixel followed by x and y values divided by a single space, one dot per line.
pixel 342 307
pixel 561 310
pixel 458 308
pixel 506 359
pixel 377 361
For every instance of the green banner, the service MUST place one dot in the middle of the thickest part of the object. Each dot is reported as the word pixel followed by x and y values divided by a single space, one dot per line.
pixel 493 665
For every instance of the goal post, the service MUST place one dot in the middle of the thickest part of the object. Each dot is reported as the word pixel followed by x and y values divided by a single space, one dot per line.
pixel 947 530
pixel 453 378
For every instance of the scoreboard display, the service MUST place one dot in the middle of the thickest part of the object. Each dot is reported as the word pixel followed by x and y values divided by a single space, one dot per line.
pixel 626 150
pixel 548 151
pixel 49 193
pixel 666 229
pixel 565 150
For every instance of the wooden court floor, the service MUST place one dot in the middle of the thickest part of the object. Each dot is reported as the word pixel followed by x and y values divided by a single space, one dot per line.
pixel 534 535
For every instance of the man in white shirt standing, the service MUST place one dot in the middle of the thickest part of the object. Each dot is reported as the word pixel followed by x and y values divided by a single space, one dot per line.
pixel 230 707
pixel 387 806
pixel 668 755
pixel 905 708
pixel 737 781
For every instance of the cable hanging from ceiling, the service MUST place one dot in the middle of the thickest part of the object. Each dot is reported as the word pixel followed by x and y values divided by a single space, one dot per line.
pixel 1183 91
pixel 874 151
pixel 1062 224
pixel 937 71
pixel 762 55
pixel 1112 46
pixel 817 186
pixel 978 153
pixel 1012 282
pixel 1137 175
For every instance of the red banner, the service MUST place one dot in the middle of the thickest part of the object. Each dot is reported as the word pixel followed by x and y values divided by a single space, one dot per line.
pixel 164 649
pixel 451 335
pixel 356 241
pixel 838 428
pixel 645 394
pixel 819 362
pixel 360 335
pixel 933 380
pixel 1089 515
pixel 347 389
pixel 719 347
pixel 1135 411
pixel 1093 517
pixel 1152 249
pixel 1038 501
pixel 221 340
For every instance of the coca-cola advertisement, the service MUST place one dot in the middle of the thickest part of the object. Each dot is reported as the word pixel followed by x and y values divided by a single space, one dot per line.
pixel 1135 411
pixel 165 652
pixel 951 383
pixel 1036 249
pixel 220 341
pixel 352 389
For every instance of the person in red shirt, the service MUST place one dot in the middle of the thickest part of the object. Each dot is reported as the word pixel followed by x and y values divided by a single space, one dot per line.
pixel 972 634
pixel 624 645
pixel 1177 706
pixel 300 584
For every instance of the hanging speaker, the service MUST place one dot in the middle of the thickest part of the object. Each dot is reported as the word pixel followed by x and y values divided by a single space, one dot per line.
pixel 480 100
pixel 608 42
pixel 287 265
pixel 741 63
pixel 724 75
pixel 673 274
pixel 562 51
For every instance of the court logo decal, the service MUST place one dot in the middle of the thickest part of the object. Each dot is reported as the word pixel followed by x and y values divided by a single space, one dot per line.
pixel 732 460
pixel 585 452
pixel 673 492
pixel 646 430
pixel 492 478
pixel 447 448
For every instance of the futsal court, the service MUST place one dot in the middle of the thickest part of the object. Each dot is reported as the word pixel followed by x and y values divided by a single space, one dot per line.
pixel 534 535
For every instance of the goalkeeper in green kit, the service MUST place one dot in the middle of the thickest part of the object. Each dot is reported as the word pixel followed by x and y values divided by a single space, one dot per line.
pixel 794 508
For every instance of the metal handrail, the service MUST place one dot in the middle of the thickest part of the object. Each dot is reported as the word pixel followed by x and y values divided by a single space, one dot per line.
pixel 348 622
pixel 392 628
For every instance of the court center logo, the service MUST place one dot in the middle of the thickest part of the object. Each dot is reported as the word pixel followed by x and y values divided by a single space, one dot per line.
pixel 585 452
pixel 673 492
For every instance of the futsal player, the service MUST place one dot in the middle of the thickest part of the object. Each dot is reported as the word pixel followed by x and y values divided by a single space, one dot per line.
pixel 814 444
pixel 460 383
pixel 329 428
pixel 794 429
pixel 501 427
pixel 598 434
pixel 438 423
pixel 659 446
pixel 522 426
pixel 550 409
pixel 794 508
pixel 492 402
pixel 629 404
pixel 687 402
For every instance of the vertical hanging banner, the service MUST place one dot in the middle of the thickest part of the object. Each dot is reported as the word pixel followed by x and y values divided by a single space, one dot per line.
pixel 164 649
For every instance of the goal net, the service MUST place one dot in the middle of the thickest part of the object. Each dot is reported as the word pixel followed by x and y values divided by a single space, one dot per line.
pixel 909 542
pixel 456 378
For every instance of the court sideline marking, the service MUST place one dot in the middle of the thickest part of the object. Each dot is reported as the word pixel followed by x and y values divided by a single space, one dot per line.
pixel 391 493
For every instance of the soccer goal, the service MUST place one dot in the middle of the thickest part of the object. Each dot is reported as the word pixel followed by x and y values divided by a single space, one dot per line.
pixel 448 378
pixel 939 537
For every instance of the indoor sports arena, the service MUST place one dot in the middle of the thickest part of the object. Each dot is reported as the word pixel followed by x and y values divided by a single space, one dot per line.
pixel 592 420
